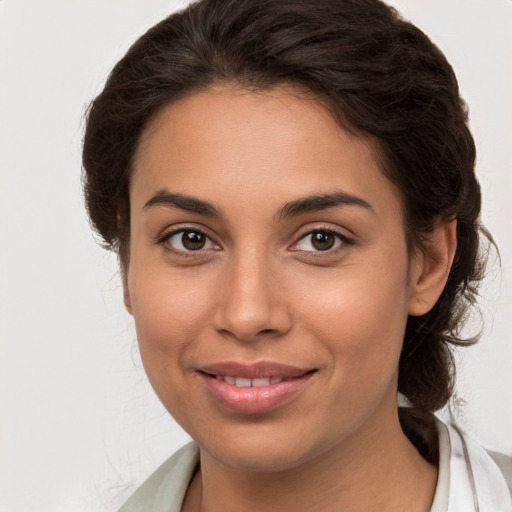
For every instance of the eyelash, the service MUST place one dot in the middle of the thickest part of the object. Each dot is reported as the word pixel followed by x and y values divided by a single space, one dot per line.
pixel 165 241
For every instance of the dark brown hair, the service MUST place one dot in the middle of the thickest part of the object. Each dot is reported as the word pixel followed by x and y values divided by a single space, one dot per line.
pixel 378 74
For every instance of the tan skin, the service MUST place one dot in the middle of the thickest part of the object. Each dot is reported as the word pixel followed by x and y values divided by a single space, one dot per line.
pixel 327 289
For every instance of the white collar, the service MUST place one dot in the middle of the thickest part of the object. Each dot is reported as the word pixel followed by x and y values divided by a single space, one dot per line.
pixel 468 480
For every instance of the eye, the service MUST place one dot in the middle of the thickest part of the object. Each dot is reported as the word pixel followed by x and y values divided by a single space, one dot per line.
pixel 189 240
pixel 319 241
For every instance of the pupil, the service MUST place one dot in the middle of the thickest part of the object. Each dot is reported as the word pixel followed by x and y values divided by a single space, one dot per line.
pixel 193 241
pixel 322 241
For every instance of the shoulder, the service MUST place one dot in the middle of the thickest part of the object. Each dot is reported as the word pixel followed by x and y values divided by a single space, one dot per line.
pixel 167 485
pixel 504 463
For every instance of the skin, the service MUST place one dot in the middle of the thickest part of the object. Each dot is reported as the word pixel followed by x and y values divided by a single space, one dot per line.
pixel 259 291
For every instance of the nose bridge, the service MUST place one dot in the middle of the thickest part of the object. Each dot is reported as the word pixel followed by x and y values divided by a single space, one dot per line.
pixel 250 304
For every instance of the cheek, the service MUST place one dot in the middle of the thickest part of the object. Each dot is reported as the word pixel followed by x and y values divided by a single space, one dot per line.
pixel 360 317
pixel 169 310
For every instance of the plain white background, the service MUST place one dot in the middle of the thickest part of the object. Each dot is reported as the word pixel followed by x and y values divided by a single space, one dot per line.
pixel 80 427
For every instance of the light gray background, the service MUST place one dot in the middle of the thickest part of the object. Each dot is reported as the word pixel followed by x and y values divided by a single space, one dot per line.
pixel 79 425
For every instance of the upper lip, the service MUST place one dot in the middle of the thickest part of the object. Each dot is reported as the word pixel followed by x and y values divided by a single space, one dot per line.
pixel 261 369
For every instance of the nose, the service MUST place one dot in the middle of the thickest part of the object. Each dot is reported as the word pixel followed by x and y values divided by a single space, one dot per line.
pixel 252 303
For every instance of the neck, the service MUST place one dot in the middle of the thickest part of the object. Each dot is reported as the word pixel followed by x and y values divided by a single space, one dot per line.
pixel 375 469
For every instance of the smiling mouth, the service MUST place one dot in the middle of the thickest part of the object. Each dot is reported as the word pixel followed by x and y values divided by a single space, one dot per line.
pixel 258 388
pixel 244 382
pixel 260 374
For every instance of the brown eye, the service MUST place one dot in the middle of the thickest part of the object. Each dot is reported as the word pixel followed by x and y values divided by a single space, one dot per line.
pixel 192 240
pixel 320 241
pixel 189 240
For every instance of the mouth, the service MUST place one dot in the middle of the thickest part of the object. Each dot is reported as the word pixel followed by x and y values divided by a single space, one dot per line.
pixel 256 388
pixel 243 382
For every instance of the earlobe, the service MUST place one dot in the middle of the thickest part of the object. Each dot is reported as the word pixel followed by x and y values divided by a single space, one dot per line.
pixel 431 266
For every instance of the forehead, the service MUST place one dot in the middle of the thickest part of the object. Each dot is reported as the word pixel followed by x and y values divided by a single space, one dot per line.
pixel 275 143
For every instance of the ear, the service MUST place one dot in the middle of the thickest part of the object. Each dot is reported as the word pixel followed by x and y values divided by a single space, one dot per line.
pixel 431 266
pixel 126 295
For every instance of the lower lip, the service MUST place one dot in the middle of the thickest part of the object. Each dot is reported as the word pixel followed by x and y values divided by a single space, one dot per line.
pixel 254 399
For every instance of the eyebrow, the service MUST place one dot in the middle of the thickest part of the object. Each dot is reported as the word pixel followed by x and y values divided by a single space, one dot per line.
pixel 190 204
pixel 318 202
pixel 301 206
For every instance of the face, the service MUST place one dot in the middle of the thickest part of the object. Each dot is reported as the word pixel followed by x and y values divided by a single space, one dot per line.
pixel 269 277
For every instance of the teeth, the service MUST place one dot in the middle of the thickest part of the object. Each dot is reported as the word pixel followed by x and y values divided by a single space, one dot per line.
pixel 261 382
pixel 243 382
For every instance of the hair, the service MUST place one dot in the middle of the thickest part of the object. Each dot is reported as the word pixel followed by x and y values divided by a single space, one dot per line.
pixel 379 75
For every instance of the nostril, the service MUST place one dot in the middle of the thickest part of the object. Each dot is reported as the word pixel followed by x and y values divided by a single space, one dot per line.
pixel 246 318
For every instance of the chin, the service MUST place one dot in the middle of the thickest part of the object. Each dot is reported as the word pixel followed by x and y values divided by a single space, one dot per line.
pixel 262 458
pixel 259 448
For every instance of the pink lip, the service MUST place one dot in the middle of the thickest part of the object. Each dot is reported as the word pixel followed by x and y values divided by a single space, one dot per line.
pixel 254 399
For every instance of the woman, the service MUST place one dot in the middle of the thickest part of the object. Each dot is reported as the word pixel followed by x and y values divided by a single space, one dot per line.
pixel 290 188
